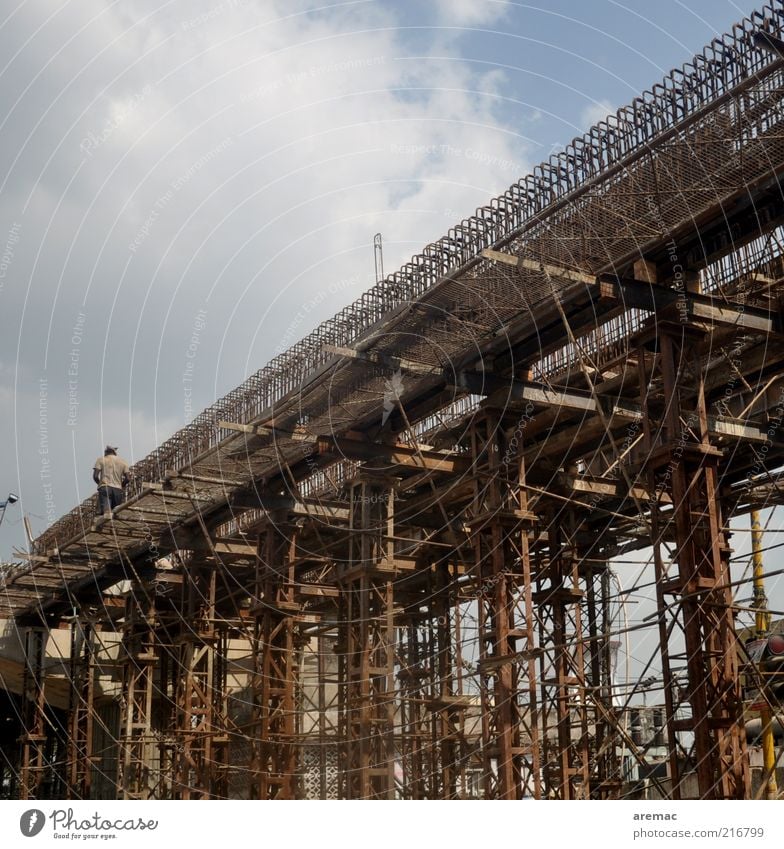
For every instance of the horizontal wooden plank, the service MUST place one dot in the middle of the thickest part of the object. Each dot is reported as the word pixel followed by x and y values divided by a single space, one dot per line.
pixel 572 275
pixel 392 363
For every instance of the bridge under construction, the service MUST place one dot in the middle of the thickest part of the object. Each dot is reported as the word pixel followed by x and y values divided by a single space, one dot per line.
pixel 382 567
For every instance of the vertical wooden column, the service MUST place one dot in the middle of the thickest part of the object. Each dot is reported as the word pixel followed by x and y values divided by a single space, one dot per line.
pixel 81 711
pixel 277 655
pixel 34 736
pixel 499 524
pixel 138 776
pixel 697 627
pixel 202 742
pixel 367 644
pixel 605 764
pixel 416 643
pixel 559 599
pixel 449 704
pixel 165 709
pixel 328 716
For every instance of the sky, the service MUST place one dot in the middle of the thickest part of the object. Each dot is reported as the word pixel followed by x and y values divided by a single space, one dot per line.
pixel 188 187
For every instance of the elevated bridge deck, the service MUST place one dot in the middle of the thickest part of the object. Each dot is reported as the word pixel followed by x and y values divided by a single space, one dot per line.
pixel 591 363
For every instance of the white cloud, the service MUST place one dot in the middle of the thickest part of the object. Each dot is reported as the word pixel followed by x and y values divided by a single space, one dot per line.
pixel 468 13
pixel 595 112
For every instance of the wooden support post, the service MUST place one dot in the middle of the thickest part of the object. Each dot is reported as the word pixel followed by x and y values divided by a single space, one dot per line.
pixel 367 645
pixel 449 705
pixel 499 529
pixel 762 628
pixel 202 741
pixel 559 599
pixel 414 646
pixel 321 694
pixel 605 766
pixel 697 628
pixel 277 654
pixel 34 734
pixel 170 624
pixel 81 712
pixel 139 773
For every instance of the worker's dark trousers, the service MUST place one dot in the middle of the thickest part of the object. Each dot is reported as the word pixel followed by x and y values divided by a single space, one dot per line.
pixel 109 497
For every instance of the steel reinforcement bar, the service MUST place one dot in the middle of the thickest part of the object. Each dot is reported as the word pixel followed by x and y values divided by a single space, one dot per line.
pixel 683 96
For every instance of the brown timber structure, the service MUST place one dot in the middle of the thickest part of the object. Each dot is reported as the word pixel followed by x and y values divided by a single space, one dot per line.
pixel 426 494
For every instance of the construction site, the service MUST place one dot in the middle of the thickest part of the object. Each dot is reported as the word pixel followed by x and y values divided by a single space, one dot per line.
pixel 384 567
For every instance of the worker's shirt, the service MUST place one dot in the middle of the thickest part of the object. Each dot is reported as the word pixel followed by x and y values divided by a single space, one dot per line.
pixel 111 469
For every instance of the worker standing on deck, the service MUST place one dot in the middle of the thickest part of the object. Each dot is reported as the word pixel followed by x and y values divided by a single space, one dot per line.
pixel 111 473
